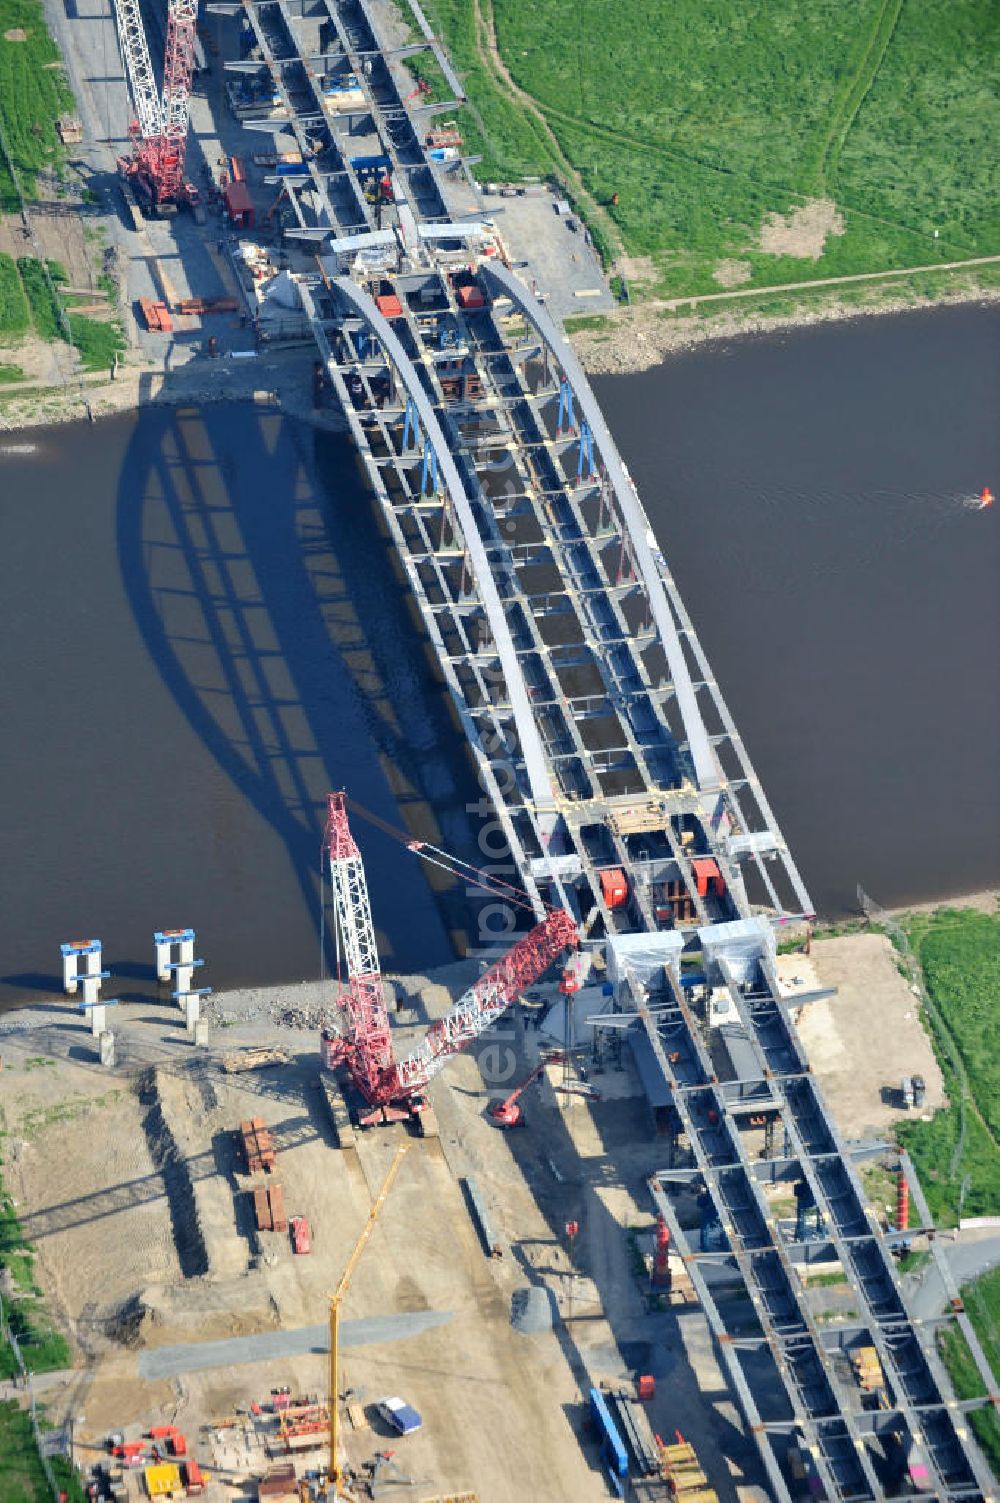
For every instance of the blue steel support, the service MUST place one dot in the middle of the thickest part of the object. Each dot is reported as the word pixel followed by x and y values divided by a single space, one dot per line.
pixel 532 750
pixel 411 425
pixel 429 471
pixel 566 421
pixel 706 766
pixel 585 458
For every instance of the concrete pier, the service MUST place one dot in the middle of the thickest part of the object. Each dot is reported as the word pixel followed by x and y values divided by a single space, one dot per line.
pixel 174 948
pixel 79 957
pixel 191 1003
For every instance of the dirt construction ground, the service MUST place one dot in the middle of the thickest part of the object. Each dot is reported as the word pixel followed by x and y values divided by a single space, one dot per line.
pixel 131 1186
pixel 865 1039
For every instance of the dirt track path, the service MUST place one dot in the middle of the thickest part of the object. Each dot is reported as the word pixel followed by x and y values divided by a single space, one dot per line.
pixel 858 276
pixel 489 53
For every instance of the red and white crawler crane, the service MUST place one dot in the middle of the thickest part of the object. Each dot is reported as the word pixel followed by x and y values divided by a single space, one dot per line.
pixel 395 1088
pixel 159 130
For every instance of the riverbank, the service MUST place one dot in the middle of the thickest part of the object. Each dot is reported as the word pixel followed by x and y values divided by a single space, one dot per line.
pixel 627 342
pixel 637 339
pixel 281 379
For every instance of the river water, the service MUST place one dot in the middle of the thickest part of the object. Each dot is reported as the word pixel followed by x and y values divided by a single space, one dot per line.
pixel 202 633
pixel 813 492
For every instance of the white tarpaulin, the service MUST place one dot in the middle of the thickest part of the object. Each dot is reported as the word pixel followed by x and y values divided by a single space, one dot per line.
pixel 644 954
pixel 741 943
pixel 282 292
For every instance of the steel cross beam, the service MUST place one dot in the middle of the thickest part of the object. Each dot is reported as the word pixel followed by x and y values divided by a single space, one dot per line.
pixel 706 766
pixel 252 8
pixel 532 751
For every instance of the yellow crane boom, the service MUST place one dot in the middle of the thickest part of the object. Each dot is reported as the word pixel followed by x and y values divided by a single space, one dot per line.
pixel 336 1299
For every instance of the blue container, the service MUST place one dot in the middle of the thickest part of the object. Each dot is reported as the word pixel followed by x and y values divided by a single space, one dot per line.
pixel 613 1452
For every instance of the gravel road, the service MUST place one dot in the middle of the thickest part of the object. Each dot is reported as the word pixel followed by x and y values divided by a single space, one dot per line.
pixel 169 1361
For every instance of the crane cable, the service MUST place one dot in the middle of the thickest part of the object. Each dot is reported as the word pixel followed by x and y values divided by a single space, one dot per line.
pixel 455 866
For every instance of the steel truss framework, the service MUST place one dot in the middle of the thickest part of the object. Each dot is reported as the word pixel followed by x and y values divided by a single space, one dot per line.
pixel 523 532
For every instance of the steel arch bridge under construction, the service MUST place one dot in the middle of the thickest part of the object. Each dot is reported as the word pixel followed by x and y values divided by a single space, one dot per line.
pixel 605 748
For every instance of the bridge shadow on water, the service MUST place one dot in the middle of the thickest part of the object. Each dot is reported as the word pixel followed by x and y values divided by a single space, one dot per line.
pixel 265 595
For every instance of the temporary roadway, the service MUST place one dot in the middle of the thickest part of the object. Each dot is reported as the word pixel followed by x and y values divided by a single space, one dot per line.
pixel 603 744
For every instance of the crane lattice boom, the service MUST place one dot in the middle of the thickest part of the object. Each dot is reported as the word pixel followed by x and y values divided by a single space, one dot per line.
pixel 159 131
pixel 138 65
pixel 365 1044
pixel 178 64
pixel 366 1041
pixel 527 960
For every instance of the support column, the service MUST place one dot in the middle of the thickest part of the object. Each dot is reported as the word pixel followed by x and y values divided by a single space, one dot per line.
pixel 166 943
pixel 80 957
pixel 191 1003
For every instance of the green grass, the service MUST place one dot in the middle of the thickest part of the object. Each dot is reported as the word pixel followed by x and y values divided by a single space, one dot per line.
pixel 982 1302
pixel 97 340
pixel 43 1348
pixel 14 313
pixel 22 1479
pixel 704 117
pixel 10 373
pixel 45 309
pixel 959 950
pixel 33 94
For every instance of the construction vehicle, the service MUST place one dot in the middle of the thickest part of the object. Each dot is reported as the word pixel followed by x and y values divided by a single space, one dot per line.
pixel 159 130
pixel 336 1474
pixel 395 1090
pixel 402 1416
pixel 508 1113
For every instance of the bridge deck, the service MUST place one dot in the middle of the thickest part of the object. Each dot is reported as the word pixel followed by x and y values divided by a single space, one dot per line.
pixel 602 741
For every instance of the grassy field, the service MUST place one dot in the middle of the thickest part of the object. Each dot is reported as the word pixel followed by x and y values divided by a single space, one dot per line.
pixel 705 117
pixel 43 301
pixel 959 951
pixel 22 1479
pixel 30 299
pixel 33 94
pixel 44 1349
pixel 14 314
pixel 982 1300
pixel 97 340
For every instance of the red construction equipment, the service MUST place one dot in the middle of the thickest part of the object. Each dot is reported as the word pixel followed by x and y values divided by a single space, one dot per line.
pixel 258 1146
pixel 508 1113
pixel 364 1043
pixel 269 1209
pixel 707 876
pixel 614 887
pixel 301 1240
pixel 156 316
pixel 159 130
pixel 902 1203
pixel 661 1257
pixel 194 1480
